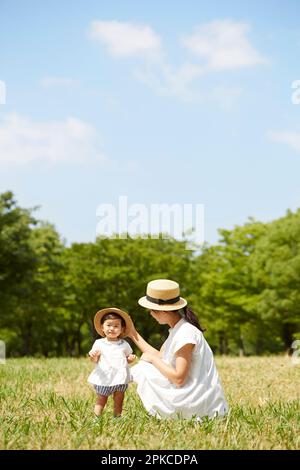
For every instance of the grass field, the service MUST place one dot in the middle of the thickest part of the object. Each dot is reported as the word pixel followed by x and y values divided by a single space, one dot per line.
pixel 47 404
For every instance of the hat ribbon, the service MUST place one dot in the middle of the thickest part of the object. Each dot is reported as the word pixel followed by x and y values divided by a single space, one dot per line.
pixel 162 301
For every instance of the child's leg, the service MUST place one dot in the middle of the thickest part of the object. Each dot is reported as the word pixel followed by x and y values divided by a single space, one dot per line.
pixel 100 404
pixel 118 402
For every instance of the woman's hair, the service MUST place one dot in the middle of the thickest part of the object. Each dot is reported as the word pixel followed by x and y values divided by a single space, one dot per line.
pixel 113 316
pixel 190 317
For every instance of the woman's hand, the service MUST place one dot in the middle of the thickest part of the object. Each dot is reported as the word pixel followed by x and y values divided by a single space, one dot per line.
pixel 139 340
pixel 148 357
pixel 132 333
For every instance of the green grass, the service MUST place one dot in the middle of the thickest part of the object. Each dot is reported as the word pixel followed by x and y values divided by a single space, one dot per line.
pixel 47 404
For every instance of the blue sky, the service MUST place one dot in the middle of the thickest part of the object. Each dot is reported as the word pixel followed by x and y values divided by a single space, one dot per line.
pixel 164 102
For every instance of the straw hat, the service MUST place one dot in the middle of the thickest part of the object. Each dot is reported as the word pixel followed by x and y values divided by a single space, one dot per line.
pixel 99 315
pixel 162 294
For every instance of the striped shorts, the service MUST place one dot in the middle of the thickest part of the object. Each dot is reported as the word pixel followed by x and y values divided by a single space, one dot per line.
pixel 106 391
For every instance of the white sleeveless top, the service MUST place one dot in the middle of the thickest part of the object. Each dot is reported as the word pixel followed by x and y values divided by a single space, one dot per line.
pixel 112 367
pixel 201 394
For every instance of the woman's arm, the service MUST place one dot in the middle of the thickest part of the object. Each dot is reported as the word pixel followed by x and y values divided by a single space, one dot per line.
pixel 141 343
pixel 178 374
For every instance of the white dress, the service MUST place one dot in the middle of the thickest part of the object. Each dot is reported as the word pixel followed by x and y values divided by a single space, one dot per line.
pixel 201 394
pixel 112 367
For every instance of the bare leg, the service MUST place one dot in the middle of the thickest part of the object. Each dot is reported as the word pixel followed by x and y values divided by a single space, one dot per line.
pixel 118 403
pixel 100 404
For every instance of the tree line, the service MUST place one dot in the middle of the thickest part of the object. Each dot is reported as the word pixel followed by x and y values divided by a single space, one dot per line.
pixel 244 289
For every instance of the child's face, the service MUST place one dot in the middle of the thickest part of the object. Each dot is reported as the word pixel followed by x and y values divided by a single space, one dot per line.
pixel 112 328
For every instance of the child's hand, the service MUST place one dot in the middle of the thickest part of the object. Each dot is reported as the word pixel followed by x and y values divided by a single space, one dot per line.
pixel 131 358
pixel 94 355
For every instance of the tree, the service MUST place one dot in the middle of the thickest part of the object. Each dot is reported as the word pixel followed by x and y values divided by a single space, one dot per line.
pixel 276 270
pixel 30 281
pixel 16 254
pixel 226 293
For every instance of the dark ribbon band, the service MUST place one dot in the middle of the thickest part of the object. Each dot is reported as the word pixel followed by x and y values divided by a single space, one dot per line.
pixel 161 301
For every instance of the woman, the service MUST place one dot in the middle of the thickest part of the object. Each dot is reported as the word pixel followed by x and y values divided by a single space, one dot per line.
pixel 180 380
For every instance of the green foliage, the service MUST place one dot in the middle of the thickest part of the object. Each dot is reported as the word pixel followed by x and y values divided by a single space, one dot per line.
pixel 276 272
pixel 16 255
pixel 227 292
pixel 30 254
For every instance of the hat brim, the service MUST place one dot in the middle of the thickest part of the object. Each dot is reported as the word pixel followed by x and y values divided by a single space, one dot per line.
pixel 144 302
pixel 100 314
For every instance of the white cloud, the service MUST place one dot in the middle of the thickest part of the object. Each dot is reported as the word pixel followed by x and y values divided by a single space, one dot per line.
pixel 223 44
pixel 286 137
pixel 48 82
pixel 166 81
pixel 23 141
pixel 126 39
pixel 169 82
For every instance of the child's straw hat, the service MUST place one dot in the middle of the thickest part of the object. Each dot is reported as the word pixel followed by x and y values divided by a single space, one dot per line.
pixel 121 313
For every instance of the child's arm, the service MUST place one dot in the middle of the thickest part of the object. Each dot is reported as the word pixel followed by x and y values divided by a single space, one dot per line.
pixel 94 355
pixel 131 358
